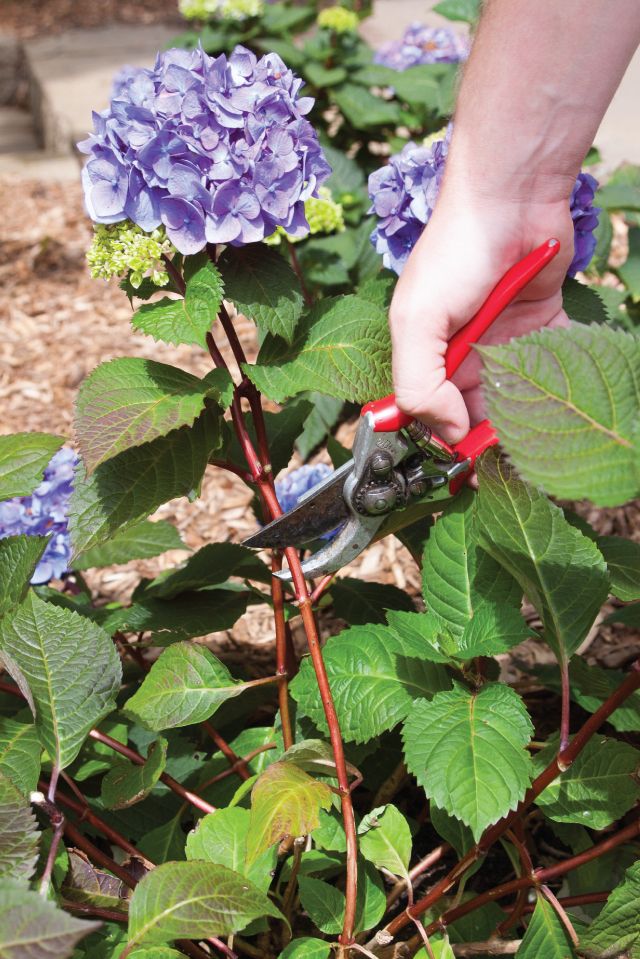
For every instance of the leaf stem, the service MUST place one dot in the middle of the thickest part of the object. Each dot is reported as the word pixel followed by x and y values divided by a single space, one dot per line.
pixel 238 765
pixel 297 269
pixel 175 274
pixel 560 912
pixel 56 818
pixel 565 707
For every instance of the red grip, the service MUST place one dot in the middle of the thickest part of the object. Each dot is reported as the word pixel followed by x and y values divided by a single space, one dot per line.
pixel 477 440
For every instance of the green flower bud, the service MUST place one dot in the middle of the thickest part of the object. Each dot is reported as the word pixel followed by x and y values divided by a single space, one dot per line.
pixel 323 215
pixel 338 19
pixel 221 9
pixel 118 249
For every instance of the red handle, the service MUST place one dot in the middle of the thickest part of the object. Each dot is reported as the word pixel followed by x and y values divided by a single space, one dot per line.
pixel 387 416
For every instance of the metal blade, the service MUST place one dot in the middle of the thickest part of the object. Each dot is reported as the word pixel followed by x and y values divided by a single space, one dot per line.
pixel 319 511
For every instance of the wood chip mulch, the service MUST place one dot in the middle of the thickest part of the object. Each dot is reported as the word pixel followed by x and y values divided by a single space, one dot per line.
pixel 35 18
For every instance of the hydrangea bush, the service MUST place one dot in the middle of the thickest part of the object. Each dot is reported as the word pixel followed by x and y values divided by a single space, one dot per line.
pixel 391 790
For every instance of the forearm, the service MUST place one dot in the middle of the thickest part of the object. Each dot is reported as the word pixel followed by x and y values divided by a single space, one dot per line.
pixel 539 80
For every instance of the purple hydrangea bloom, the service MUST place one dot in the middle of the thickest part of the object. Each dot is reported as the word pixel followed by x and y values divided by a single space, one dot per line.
pixel 422 44
pixel 404 194
pixel 44 513
pixel 216 149
pixel 295 484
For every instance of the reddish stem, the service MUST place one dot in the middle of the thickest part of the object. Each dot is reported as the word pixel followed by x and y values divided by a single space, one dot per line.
pixel 560 912
pixel 175 275
pixel 238 764
pixel 322 586
pixel 565 707
pixel 295 263
pixel 232 468
pixel 232 769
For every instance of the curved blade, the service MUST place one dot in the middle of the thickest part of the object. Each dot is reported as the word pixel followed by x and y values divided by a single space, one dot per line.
pixel 319 511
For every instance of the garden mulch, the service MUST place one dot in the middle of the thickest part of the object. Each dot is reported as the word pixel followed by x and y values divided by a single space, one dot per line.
pixel 36 18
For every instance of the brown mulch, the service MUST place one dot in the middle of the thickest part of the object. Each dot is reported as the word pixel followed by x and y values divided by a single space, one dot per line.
pixel 35 18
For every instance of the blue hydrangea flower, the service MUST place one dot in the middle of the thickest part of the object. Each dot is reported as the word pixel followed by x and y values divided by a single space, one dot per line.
pixel 44 513
pixel 422 44
pixel 404 193
pixel 295 484
pixel 217 150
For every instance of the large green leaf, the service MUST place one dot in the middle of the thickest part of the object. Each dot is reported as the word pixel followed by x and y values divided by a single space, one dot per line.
pixel 598 788
pixel 341 347
pixel 129 487
pixel 458 577
pixel 359 602
pixel 622 191
pixel 546 936
pixel 20 751
pixel 467 750
pixel 616 930
pixel 629 271
pixel 34 928
pixel 137 542
pixel 184 686
pixel 210 566
pixel 127 783
pixel 131 401
pixel 326 904
pixel 285 801
pixel 19 556
pixel 307 948
pixel 622 557
pixel 23 458
pixel 84 883
pixel 186 320
pixel 560 570
pixel 376 673
pixel 491 631
pixel 194 900
pixel 565 404
pixel 385 840
pixel 263 287
pixel 186 616
pixel 222 837
pixel 66 666
pixel 419 86
pixel 582 303
pixel 19 836
pixel 365 110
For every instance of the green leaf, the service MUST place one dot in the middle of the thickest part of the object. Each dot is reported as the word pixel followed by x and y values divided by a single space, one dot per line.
pixel 341 348
pixel 622 557
pixel 363 109
pixel 330 833
pixel 467 750
pixel 222 837
pixel 451 830
pixel 326 904
pixel 565 404
pixel 385 840
pixel 19 556
pixel 127 783
pixel 285 801
pixel 129 487
pixel 418 85
pixel 186 616
pixel 23 458
pixel 458 577
pixel 131 401
pixel 622 191
pixel 184 686
pixel 20 754
pixel 306 948
pixel 346 174
pixel 321 77
pixel 598 788
pixel 19 836
pixel 629 271
pixel 465 10
pixel 185 320
pixel 629 615
pixel 560 570
pixel 582 303
pixel 138 542
pixel 32 927
pixel 194 900
pixel 616 930
pixel 359 602
pixel 492 631
pixel 210 566
pixel 155 952
pixel 545 936
pixel 440 948
pixel 282 429
pixel 165 842
pixel 262 285
pixel 323 416
pixel 67 667
pixel 84 883
pixel 376 673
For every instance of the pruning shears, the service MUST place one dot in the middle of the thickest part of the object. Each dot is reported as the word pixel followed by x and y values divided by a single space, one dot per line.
pixel 397 460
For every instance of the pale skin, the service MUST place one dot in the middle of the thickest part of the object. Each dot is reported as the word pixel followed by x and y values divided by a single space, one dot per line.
pixel 537 84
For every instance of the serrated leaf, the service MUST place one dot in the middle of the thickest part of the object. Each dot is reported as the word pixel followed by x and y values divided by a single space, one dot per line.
pixel 582 303
pixel 598 788
pixel 23 458
pixel 184 320
pixel 622 557
pixel 492 631
pixel 189 615
pixel 467 750
pixel 210 566
pixel 131 401
pixel 326 904
pixel 285 801
pixel 364 110
pixel 323 416
pixel 20 751
pixel 375 674
pixel 262 285
pixel 33 927
pixel 341 348
pixel 616 930
pixel 569 396
pixel 127 783
pixel 84 883
pixel 185 685
pixel 19 556
pixel 359 602
pixel 561 571
pixel 72 670
pixel 545 936
pixel 137 542
pixel 129 487
pixel 194 900
pixel 452 830
pixel 385 840
pixel 306 948
pixel 222 837
pixel 458 577
pixel 19 836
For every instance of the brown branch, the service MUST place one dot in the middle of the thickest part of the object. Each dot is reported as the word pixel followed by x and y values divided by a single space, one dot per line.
pixel 84 909
pixel 238 765
pixel 295 263
pixel 565 709
pixel 56 818
pixel 243 760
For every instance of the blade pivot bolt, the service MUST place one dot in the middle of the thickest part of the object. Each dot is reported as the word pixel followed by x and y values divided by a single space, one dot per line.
pixel 381 463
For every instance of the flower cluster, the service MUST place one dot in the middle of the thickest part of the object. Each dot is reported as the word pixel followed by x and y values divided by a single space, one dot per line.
pixel 323 214
pixel 295 484
pixel 217 150
pixel 338 19
pixel 404 192
pixel 422 44
pixel 119 249
pixel 220 9
pixel 44 513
